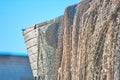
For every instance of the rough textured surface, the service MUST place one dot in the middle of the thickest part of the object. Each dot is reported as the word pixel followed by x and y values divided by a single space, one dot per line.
pixel 88 42
pixel 41 42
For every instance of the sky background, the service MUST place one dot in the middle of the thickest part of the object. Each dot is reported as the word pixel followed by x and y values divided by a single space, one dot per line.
pixel 16 15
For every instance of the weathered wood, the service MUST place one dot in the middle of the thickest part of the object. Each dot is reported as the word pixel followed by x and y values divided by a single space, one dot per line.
pixel 85 45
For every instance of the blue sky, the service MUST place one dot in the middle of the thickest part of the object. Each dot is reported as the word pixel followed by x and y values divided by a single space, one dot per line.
pixel 16 15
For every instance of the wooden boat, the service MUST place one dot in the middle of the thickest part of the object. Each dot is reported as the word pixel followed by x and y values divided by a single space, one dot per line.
pixel 41 43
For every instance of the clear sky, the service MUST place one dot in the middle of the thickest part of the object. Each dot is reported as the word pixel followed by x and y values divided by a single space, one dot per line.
pixel 16 15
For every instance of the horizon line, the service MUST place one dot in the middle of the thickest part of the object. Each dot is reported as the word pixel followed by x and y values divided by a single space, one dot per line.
pixel 4 53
